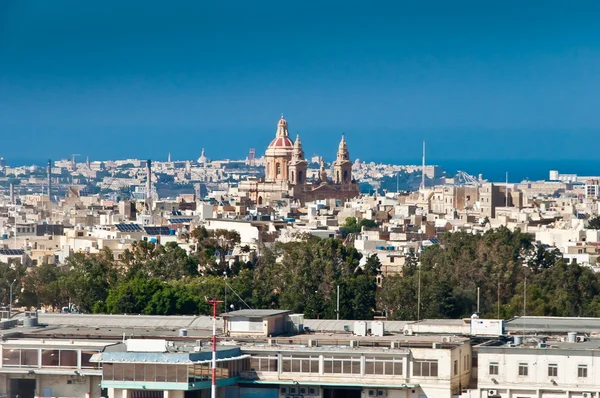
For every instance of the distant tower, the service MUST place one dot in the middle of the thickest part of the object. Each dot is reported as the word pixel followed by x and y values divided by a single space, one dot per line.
pixel 169 158
pixel 252 157
pixel 149 179
pixel 279 154
pixel 423 169
pixel 298 165
pixel 202 159
pixel 49 170
pixel 342 167
pixel 322 171
pixel 87 161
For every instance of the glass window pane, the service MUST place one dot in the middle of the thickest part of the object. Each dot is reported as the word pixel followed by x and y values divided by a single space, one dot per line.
pixel 254 364
pixel 50 358
pixel 68 359
pixel 118 371
pixel 150 372
pixel 128 372
pixel 139 370
pixel 398 368
pixel 85 359
pixel 172 373
pixel 11 357
pixel 434 369
pixel 107 371
pixel 161 373
pixel 29 357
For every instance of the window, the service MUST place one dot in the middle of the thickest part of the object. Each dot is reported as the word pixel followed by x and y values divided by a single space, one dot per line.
pixel 263 364
pixel 349 365
pixel 425 368
pixel 300 364
pixel 552 370
pixel 493 370
pixel 383 366
pixel 523 369
pixel 455 368
pixel 582 371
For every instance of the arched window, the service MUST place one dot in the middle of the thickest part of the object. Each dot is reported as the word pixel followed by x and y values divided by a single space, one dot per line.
pixel 277 170
pixel 293 175
pixel 260 200
pixel 345 175
pixel 300 176
pixel 337 176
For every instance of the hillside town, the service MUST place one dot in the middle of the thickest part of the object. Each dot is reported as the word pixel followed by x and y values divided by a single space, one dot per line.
pixel 163 236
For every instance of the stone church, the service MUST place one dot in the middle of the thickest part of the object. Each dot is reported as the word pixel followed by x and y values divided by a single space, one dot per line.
pixel 285 174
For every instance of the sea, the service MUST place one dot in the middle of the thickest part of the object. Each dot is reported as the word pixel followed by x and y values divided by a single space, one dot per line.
pixel 493 170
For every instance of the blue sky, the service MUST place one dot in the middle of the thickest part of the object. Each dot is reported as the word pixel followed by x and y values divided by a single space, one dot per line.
pixel 476 79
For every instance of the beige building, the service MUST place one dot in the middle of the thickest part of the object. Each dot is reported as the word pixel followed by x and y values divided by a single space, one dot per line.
pixel 285 174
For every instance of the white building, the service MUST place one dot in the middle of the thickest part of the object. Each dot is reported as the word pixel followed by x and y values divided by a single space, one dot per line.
pixel 538 369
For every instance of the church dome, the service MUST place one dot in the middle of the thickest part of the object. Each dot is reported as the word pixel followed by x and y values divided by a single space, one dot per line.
pixel 281 143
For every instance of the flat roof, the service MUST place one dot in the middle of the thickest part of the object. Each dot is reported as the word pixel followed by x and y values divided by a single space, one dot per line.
pixel 254 313
pixel 546 324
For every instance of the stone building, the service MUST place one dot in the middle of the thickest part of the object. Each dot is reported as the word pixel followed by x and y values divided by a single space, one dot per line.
pixel 285 174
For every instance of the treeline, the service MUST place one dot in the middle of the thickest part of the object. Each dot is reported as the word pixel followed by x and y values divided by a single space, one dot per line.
pixel 303 276
pixel 164 280
pixel 505 265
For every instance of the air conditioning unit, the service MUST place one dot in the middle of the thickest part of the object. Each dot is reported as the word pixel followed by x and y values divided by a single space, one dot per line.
pixel 581 339
pixel 372 393
pixel 492 393
pixel 447 339
pixel 313 391
pixel 381 393
pixel 408 332
pixel 283 390
pixel 587 395
pixel 302 390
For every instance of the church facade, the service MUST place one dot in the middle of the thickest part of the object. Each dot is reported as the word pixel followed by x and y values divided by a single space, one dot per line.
pixel 286 170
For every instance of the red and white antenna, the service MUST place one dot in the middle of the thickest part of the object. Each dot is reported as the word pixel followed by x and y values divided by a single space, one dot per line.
pixel 213 389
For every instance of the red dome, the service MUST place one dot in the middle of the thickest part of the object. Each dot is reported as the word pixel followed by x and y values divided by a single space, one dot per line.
pixel 281 142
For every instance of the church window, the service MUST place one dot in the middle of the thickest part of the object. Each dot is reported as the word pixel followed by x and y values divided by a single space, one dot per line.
pixel 277 170
pixel 300 176
pixel 345 175
pixel 338 177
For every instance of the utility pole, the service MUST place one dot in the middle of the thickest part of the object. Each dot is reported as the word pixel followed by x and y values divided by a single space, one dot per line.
pixel 338 303
pixel 10 302
pixel 498 296
pixel 419 293
pixel 213 388
pixel 478 300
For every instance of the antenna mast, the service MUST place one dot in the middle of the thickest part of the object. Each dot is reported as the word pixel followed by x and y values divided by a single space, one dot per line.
pixel 213 388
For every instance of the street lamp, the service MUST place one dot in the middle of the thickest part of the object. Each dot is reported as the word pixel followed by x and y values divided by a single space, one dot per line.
pixel 10 302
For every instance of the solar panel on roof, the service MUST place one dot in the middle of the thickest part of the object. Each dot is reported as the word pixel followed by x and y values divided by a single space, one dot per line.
pixel 128 227
pixel 157 230
pixel 180 220
pixel 11 252
pixel 434 240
